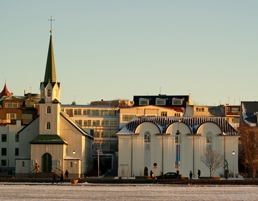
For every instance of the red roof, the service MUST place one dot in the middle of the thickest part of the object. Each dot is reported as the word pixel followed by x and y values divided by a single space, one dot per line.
pixel 5 92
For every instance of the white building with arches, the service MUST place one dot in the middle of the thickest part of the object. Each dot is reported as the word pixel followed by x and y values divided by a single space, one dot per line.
pixel 168 144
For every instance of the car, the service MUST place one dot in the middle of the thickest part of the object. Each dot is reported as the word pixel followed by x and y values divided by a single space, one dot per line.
pixel 169 175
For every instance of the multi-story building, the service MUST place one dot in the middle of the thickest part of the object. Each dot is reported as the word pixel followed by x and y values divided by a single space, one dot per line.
pixel 9 145
pixel 154 105
pixel 101 118
pixel 13 108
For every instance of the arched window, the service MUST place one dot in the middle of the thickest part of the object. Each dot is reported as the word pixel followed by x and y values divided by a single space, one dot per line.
pixel 48 125
pixel 209 138
pixel 48 109
pixel 49 92
pixel 147 136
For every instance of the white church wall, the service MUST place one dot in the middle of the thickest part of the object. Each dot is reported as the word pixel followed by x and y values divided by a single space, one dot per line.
pixel 38 150
pixel 25 136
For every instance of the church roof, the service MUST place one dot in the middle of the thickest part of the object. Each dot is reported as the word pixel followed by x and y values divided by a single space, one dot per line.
pixel 192 122
pixel 48 139
pixel 5 92
pixel 50 73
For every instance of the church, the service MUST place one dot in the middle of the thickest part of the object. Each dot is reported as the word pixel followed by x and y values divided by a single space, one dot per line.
pixel 171 144
pixel 52 142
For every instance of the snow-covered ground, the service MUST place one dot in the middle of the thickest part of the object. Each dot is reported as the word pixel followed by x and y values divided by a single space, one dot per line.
pixel 27 191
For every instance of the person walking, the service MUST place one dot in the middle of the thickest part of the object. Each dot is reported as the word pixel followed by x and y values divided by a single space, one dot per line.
pixel 199 173
pixel 191 175
pixel 54 178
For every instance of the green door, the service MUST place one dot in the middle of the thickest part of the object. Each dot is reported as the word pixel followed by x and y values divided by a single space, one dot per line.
pixel 46 162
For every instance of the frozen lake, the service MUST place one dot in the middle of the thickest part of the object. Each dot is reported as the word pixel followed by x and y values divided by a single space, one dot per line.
pixel 137 192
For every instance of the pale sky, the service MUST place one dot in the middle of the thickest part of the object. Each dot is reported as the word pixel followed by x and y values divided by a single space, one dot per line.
pixel 115 49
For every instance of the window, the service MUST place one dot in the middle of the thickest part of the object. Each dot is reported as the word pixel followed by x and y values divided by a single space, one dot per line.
pixel 177 114
pixel 12 105
pixel 96 122
pixel 86 112
pixel 209 138
pixel 3 151
pixel 27 116
pixel 96 134
pixel 49 92
pixel 48 125
pixel 177 101
pixel 4 137
pixel 48 109
pixel 106 134
pixel 160 101
pixel 71 164
pixel 77 111
pixel 104 112
pixel 3 162
pixel 112 113
pixel 143 101
pixel 95 112
pixel 16 137
pixel 79 122
pixel 127 117
pixel 69 112
pixel 199 109
pixel 147 137
pixel 23 164
pixel 113 134
pixel 105 123
pixel 16 151
pixel 164 114
pixel 87 122
pixel 11 116
pixel 113 123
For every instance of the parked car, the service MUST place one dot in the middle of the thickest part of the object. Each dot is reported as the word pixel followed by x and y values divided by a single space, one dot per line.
pixel 169 175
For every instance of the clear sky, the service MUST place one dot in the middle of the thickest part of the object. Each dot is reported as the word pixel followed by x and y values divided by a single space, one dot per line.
pixel 115 49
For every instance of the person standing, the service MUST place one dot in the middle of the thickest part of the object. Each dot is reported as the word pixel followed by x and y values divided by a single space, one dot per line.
pixel 66 174
pixel 177 172
pixel 199 173
pixel 61 178
pixel 151 174
pixel 191 175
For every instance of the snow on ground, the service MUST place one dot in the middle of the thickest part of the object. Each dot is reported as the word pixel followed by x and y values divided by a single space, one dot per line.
pixel 157 192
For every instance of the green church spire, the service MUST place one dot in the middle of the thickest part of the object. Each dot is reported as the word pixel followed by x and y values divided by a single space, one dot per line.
pixel 50 73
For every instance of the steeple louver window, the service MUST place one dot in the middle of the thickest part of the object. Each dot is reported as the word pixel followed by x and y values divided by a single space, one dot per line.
pixel 49 92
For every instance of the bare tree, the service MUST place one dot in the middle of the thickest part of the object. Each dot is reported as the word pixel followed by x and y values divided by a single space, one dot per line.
pixel 212 159
pixel 249 147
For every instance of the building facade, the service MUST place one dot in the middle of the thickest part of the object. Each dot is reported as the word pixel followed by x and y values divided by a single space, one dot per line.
pixel 168 144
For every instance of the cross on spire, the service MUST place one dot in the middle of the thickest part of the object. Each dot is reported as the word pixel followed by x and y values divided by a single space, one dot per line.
pixel 51 20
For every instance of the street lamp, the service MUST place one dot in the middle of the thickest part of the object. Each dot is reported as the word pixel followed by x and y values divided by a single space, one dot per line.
pixel 98 160
pixel 73 162
pixel 233 153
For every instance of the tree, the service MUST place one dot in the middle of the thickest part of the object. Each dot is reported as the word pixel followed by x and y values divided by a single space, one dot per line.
pixel 249 147
pixel 212 159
